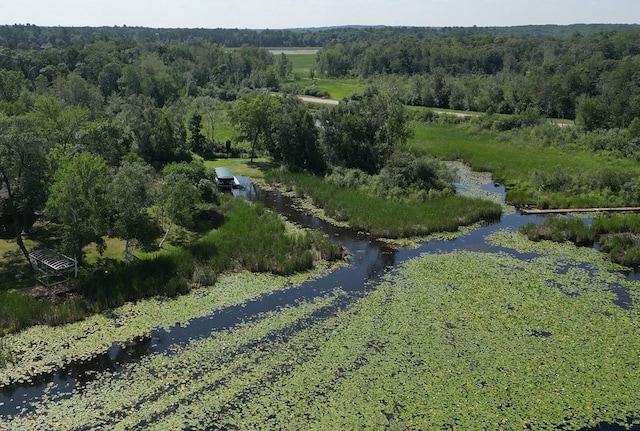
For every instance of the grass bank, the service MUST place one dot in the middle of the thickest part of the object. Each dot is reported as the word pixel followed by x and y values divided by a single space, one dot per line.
pixel 386 218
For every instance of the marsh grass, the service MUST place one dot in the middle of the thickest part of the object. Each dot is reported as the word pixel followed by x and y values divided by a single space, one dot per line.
pixel 560 229
pixel 390 218
pixel 166 274
pixel 256 239
pixel 534 174
pixel 618 234
pixel 18 311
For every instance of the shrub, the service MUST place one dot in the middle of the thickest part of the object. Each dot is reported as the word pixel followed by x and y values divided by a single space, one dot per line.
pixel 616 233
pixel 622 248
pixel 560 229
pixel 204 275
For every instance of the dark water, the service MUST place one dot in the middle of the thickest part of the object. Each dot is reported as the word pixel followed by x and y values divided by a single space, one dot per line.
pixel 370 260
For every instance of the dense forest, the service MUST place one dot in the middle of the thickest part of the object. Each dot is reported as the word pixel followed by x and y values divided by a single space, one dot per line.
pixel 584 72
pixel 594 78
pixel 32 36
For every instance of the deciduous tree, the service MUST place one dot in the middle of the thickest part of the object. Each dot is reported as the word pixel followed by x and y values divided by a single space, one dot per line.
pixel 254 116
pixel 22 172
pixel 130 195
pixel 78 200
pixel 362 133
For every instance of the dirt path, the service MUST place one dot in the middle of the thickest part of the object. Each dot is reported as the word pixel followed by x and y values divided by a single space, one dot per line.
pixel 310 99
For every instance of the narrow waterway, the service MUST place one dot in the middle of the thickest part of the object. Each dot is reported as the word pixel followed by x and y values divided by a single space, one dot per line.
pixel 370 259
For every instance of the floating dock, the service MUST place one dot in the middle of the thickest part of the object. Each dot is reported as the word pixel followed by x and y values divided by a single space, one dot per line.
pixel 533 211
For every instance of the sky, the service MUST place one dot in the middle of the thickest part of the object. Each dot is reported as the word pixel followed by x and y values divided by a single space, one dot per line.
pixel 280 14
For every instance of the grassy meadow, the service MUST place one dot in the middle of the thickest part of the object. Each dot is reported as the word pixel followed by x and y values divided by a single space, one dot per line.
pixel 337 88
pixel 301 64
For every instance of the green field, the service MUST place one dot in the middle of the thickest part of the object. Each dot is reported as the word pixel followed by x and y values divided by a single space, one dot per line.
pixel 337 88
pixel 302 63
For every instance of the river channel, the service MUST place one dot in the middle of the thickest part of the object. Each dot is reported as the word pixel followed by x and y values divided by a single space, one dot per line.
pixel 370 260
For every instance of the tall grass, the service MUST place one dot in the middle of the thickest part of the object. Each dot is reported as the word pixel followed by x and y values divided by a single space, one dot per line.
pixel 257 239
pixel 560 229
pixel 166 274
pixel 391 219
pixel 19 311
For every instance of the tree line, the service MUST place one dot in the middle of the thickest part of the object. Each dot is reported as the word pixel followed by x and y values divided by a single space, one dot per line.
pixel 25 36
pixel 591 78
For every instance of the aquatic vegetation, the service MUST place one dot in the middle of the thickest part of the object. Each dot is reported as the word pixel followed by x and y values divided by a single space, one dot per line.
pixel 44 349
pixel 164 390
pixel 462 340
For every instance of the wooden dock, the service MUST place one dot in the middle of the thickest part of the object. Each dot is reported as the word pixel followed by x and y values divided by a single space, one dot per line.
pixel 534 211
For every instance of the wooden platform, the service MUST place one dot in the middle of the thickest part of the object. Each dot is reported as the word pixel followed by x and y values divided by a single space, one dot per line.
pixel 533 211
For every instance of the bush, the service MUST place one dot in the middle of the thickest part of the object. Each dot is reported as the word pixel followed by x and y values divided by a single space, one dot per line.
pixel 314 92
pixel 560 229
pixel 616 233
pixel 204 275
pixel 622 248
